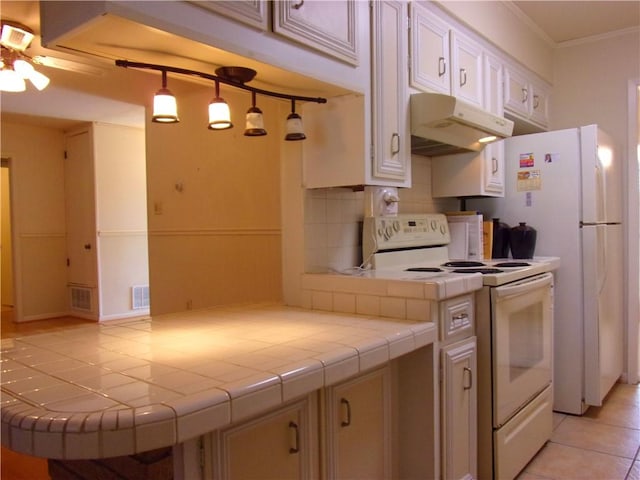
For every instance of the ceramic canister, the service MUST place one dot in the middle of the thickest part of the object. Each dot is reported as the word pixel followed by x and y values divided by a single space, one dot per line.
pixel 523 241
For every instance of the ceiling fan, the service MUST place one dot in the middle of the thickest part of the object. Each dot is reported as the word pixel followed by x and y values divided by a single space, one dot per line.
pixel 16 66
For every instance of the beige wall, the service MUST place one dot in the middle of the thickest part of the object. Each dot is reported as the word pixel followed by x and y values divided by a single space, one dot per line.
pixel 121 216
pixel 505 29
pixel 590 83
pixel 214 207
pixel 37 169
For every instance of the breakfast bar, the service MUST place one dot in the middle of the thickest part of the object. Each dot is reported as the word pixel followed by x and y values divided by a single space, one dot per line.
pixel 125 387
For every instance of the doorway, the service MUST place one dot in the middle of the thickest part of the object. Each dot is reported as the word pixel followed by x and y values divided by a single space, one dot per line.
pixel 6 262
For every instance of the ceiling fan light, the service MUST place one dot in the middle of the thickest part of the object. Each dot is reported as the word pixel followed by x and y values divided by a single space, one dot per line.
pixel 11 81
pixel 23 67
pixel 165 107
pixel 219 115
pixel 39 80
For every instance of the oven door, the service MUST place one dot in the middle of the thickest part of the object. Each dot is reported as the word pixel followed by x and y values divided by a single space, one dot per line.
pixel 522 316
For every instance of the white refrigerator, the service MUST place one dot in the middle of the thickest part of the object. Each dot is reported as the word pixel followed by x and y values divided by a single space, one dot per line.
pixel 567 184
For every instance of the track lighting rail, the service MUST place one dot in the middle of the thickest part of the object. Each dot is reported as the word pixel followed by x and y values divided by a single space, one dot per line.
pixel 216 78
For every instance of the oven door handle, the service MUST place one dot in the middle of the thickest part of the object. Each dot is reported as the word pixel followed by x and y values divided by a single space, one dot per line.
pixel 524 286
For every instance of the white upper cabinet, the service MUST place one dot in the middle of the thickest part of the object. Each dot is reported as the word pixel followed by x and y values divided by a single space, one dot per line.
pixel 391 146
pixel 355 140
pixel 443 59
pixel 327 26
pixel 466 69
pixel 254 13
pixel 525 96
pixel 429 51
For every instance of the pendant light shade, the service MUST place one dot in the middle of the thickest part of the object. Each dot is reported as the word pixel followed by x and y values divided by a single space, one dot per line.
pixel 165 108
pixel 219 114
pixel 254 120
pixel 294 128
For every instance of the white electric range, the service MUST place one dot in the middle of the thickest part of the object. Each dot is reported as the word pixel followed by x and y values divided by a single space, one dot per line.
pixel 513 328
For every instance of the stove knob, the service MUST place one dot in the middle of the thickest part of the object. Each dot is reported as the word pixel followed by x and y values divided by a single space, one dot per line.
pixel 443 229
pixel 389 231
pixel 396 226
pixel 434 225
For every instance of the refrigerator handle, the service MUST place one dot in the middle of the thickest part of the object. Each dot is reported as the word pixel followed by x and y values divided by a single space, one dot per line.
pixel 601 235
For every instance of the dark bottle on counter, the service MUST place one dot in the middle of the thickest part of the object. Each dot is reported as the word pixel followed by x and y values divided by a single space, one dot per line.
pixel 523 241
pixel 501 234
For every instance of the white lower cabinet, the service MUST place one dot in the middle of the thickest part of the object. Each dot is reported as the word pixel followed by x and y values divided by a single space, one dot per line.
pixel 358 421
pixel 279 445
pixel 380 424
pixel 458 396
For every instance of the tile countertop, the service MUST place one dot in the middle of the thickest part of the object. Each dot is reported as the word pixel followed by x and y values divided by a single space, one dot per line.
pixel 124 387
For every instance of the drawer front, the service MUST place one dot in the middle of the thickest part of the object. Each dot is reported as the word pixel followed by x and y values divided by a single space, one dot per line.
pixel 457 318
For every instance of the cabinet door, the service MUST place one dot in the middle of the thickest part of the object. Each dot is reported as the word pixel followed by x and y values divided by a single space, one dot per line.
pixel 250 12
pixel 278 445
pixel 516 92
pixel 539 105
pixel 459 410
pixel 493 102
pixel 429 46
pixel 358 416
pixel 466 69
pixel 391 155
pixel 327 26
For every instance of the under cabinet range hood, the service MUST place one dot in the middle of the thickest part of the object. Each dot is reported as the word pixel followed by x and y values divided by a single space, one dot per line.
pixel 443 125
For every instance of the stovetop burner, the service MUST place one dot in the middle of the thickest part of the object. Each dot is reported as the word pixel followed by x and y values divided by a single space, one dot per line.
pixel 484 270
pixel 463 263
pixel 424 269
pixel 512 264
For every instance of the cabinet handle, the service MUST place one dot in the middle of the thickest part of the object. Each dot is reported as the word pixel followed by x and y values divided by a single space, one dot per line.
pixel 536 102
pixel 442 66
pixel 525 95
pixel 346 403
pixel 296 430
pixel 494 165
pixel 469 377
pixel 87 246
pixel 463 77
pixel 298 6
pixel 461 316
pixel 395 143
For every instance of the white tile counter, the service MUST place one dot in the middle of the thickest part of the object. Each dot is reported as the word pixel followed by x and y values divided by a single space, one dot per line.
pixel 106 390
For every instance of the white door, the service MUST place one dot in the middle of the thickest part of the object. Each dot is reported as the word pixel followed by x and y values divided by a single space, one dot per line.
pixel 80 211
pixel 522 343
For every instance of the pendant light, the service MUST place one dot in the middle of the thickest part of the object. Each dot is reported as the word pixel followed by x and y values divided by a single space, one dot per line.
pixel 254 120
pixel 165 108
pixel 294 125
pixel 219 114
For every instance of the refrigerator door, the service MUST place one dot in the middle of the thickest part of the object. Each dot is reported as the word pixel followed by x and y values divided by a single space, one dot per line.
pixel 603 321
pixel 601 177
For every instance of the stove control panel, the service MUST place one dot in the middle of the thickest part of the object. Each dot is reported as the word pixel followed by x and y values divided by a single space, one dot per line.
pixel 404 231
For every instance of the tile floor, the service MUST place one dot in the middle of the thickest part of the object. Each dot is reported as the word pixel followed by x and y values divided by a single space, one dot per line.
pixel 603 444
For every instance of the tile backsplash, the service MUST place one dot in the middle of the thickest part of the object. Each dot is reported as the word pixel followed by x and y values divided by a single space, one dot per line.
pixel 333 219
